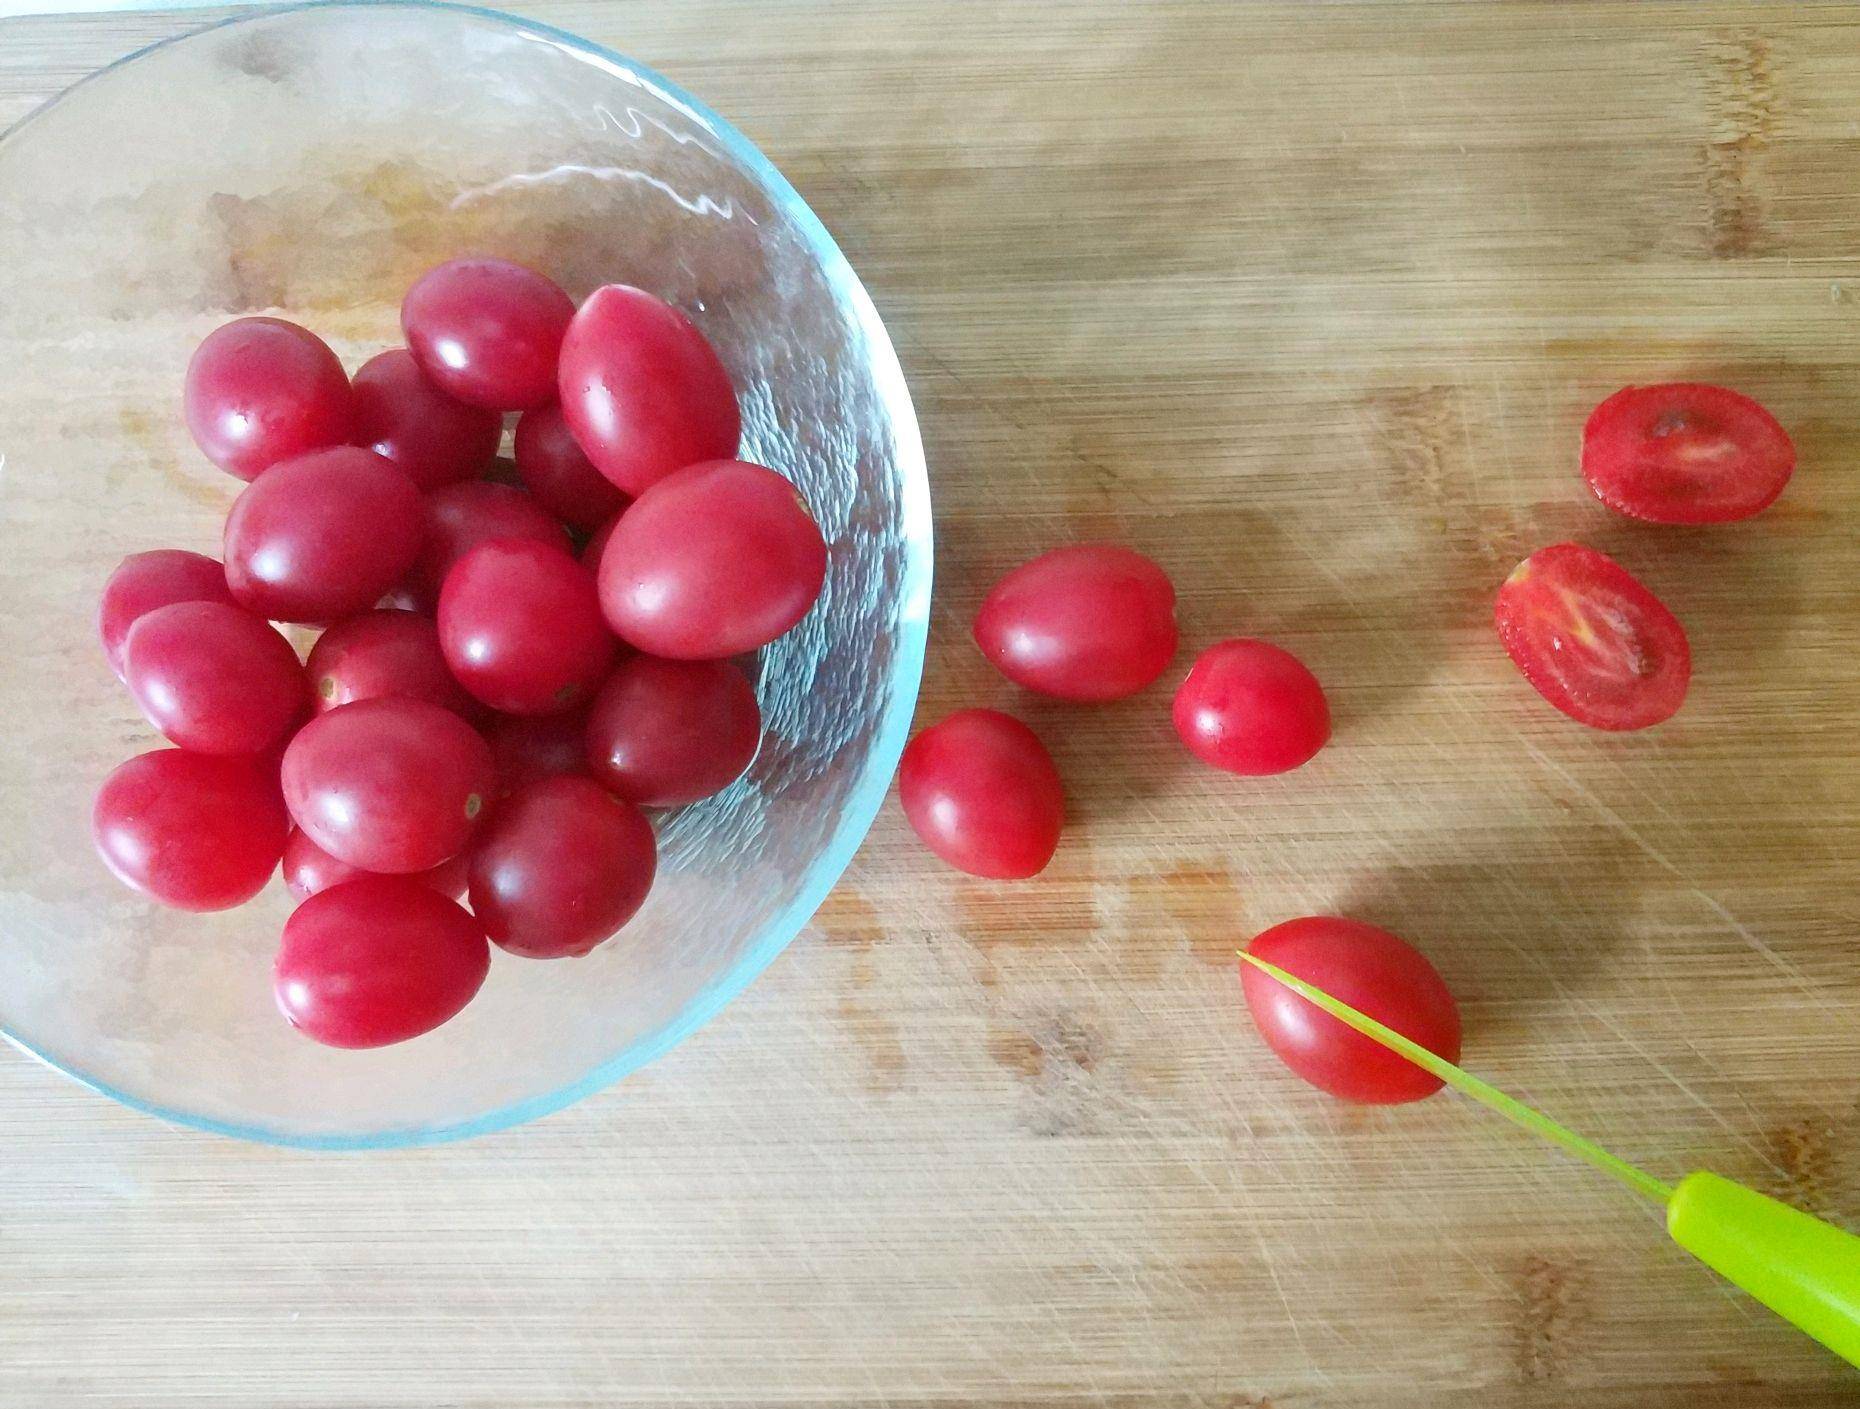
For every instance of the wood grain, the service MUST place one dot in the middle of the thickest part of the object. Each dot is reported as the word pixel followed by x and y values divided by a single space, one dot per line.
pixel 1309 302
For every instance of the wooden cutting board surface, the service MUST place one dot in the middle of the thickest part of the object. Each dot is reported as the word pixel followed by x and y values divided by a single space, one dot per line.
pixel 1309 302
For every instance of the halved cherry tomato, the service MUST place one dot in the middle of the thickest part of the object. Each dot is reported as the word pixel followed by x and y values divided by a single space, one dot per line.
pixel 1374 972
pixel 1592 639
pixel 1685 453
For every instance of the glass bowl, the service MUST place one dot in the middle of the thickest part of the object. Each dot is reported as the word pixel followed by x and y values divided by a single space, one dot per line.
pixel 309 162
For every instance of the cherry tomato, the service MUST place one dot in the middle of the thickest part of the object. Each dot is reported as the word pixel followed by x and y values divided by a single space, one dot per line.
pixel 663 733
pixel 1249 707
pixel 145 581
pixel 308 869
pixel 1375 973
pixel 520 624
pixel 461 516
pixel 263 390
pixel 377 959
pixel 981 792
pixel 320 537
pixel 191 830
pixel 487 331
pixel 642 390
pixel 561 867
pixel 1093 622
pixel 391 785
pixel 528 747
pixel 1592 640
pixel 597 545
pixel 213 678
pixel 405 418
pixel 563 479
pixel 384 653
pixel 713 561
pixel 1685 453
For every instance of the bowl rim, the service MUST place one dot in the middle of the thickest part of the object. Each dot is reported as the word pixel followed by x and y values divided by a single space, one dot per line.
pixel 869 789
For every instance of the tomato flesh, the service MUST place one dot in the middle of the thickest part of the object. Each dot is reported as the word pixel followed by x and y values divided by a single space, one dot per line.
pixel 213 678
pixel 643 392
pixel 520 624
pixel 390 785
pixel 145 581
pixel 1091 622
pixel 375 960
pixel 981 791
pixel 1248 707
pixel 261 390
pixel 712 561
pixel 1685 452
pixel 1592 640
pixel 663 733
pixel 404 418
pixel 384 652
pixel 487 332
pixel 563 865
pixel 191 830
pixel 1374 972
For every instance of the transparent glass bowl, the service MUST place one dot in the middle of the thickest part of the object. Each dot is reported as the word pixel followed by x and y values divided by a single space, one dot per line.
pixel 310 162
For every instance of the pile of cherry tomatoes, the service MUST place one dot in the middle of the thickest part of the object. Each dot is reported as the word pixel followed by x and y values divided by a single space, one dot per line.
pixel 485 713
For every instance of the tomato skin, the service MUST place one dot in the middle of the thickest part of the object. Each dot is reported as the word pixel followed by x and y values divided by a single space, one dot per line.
pixel 1090 622
pixel 663 733
pixel 461 516
pixel 404 418
pixel 596 548
pixel 562 866
pixel 563 479
pixel 323 536
pixel 145 581
pixel 213 678
pixel 377 960
pixel 981 791
pixel 308 869
pixel 194 831
pixel 1685 453
pixel 389 785
pixel 521 627
pixel 530 747
pixel 713 561
pixel 261 390
pixel 487 332
pixel 1249 707
pixel 384 652
pixel 1374 972
pixel 1592 639
pixel 642 390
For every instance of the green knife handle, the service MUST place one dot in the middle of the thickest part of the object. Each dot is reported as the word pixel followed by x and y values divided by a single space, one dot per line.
pixel 1806 1271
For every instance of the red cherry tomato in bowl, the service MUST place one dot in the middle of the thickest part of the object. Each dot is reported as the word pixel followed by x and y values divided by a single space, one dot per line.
pixel 981 791
pixel 520 624
pixel 562 866
pixel 711 562
pixel 1685 453
pixel 192 830
pixel 529 747
pixel 1374 972
pixel 261 390
pixel 642 391
pixel 308 869
pixel 1592 640
pixel 1250 708
pixel 461 516
pixel 1092 622
pixel 487 332
pixel 213 678
pixel 320 537
pixel 384 652
pixel 403 417
pixel 563 479
pixel 663 733
pixel 145 581
pixel 391 785
pixel 375 960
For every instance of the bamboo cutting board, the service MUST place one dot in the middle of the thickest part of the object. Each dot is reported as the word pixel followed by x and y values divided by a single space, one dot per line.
pixel 1309 302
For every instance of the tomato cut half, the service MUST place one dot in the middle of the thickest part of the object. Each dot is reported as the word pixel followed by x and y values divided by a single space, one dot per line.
pixel 1685 452
pixel 1592 639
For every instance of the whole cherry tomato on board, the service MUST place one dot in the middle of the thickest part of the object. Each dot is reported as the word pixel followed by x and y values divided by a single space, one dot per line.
pixel 980 791
pixel 1249 707
pixel 1091 622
